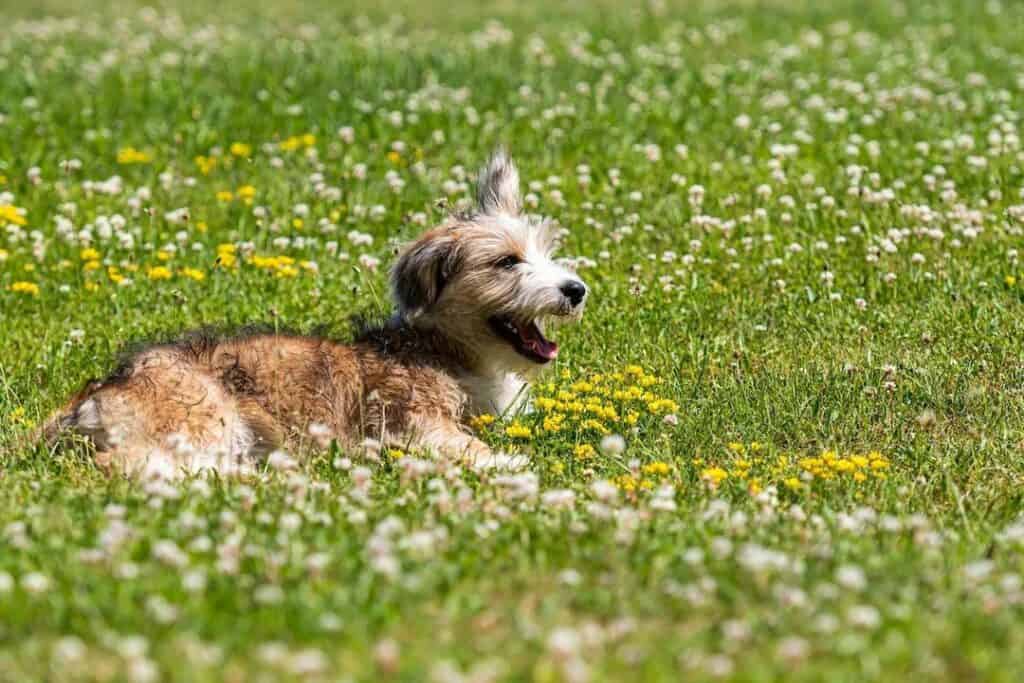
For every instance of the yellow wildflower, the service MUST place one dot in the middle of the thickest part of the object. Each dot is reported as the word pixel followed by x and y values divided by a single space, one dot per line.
pixel 130 155
pixel 12 214
pixel 626 482
pixel 656 468
pixel 481 421
pixel 584 451
pixel 714 475
pixel 516 430
pixel 23 287
pixel 158 273
pixel 240 149
pixel 226 255
pixel 205 164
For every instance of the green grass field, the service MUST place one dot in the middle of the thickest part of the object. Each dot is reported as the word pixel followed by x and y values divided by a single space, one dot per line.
pixel 801 225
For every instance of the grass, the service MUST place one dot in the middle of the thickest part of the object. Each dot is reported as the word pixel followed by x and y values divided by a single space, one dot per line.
pixel 800 223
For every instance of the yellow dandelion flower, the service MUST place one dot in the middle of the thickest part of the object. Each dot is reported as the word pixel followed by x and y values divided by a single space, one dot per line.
pixel 240 149
pixel 481 421
pixel 23 287
pixel 843 465
pixel 226 255
pixel 193 274
pixel 158 273
pixel 224 196
pixel 584 451
pixel 544 403
pixel 130 155
pixel 518 431
pixel 656 468
pixel 12 214
pixel 626 482
pixel 553 423
pixel 205 164
pixel 714 475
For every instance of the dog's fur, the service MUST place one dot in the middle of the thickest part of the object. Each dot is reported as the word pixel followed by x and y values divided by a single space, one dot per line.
pixel 464 291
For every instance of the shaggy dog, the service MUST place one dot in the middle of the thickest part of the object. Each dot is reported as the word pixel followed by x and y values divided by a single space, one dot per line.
pixel 472 297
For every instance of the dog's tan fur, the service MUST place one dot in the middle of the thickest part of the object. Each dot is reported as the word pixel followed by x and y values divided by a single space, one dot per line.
pixel 223 403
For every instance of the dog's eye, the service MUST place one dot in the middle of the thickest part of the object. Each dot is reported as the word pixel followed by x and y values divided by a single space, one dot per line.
pixel 508 262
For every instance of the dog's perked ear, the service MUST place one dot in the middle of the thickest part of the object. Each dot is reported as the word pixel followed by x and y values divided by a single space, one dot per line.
pixel 423 269
pixel 497 186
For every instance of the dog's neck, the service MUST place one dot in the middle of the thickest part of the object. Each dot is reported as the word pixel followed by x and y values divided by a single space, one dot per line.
pixel 489 389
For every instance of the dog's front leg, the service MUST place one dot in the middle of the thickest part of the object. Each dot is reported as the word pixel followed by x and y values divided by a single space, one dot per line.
pixel 445 437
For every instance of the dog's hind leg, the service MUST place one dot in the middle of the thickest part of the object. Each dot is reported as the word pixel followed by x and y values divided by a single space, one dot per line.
pixel 167 416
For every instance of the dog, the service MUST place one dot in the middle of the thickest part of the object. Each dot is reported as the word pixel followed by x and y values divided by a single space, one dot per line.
pixel 472 298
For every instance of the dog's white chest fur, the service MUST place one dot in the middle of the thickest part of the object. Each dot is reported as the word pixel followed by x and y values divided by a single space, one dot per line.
pixel 494 394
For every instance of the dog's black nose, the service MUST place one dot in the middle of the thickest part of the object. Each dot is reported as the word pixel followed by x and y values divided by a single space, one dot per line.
pixel 574 291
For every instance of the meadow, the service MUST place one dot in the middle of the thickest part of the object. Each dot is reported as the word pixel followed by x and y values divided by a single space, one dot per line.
pixel 786 442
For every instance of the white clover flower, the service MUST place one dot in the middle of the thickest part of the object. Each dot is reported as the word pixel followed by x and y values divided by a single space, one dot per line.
pixel 613 444
pixel 35 583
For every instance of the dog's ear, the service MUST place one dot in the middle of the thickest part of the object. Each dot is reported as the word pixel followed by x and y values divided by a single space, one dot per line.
pixel 423 269
pixel 497 186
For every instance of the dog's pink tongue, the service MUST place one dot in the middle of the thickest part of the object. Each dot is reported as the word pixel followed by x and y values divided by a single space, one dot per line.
pixel 538 343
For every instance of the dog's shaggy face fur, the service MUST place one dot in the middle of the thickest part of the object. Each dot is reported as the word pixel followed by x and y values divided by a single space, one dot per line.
pixel 487 282
pixel 472 298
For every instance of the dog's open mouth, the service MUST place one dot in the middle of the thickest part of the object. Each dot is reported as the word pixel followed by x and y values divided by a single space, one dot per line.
pixel 526 338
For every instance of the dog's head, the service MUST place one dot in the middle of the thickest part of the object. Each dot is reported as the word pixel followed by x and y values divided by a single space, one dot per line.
pixel 487 281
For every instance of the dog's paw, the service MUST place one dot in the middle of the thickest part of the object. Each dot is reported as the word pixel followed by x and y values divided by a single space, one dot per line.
pixel 499 461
